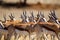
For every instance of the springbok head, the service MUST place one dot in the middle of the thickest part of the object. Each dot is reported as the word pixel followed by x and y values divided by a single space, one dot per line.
pixel 38 15
pixel 11 17
pixel 24 17
pixel 24 14
pixel 42 17
pixel 53 17
pixel 32 17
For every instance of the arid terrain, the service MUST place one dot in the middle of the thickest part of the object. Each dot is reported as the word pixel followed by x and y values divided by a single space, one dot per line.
pixel 43 34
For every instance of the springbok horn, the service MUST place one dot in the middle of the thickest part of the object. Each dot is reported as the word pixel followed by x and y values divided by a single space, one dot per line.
pixel 4 16
pixel 53 14
pixel 38 15
pixel 32 14
pixel 42 15
pixel 11 16
pixel 24 14
pixel 54 17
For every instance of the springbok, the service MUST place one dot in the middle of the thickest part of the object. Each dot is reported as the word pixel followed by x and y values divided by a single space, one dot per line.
pixel 53 17
pixel 3 29
pixel 11 28
pixel 1 23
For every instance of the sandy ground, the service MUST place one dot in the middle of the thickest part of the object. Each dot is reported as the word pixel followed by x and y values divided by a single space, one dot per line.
pixel 35 8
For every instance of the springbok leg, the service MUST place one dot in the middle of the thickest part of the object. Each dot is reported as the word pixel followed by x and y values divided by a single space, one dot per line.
pixel 11 31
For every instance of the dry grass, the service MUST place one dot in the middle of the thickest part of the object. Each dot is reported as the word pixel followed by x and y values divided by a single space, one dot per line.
pixel 24 35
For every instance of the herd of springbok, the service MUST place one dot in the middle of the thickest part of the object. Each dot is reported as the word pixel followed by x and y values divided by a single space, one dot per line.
pixel 31 24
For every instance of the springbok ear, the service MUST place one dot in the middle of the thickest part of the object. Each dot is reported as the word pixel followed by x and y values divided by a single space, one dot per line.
pixel 49 16
pixel 23 13
pixel 52 13
pixel 32 14
pixel 41 14
pixel 12 15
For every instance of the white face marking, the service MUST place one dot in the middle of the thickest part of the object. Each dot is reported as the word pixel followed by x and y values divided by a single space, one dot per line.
pixel 57 21
pixel 34 21
pixel 2 24
pixel 27 20
pixel 14 19
pixel 45 20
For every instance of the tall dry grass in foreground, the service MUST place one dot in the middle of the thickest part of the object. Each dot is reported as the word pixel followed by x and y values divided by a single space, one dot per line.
pixel 24 35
